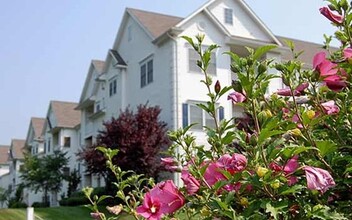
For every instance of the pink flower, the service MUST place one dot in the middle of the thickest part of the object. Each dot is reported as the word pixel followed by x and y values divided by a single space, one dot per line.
pixel 164 198
pixel 297 92
pixel 234 163
pixel 96 215
pixel 169 164
pixel 192 184
pixel 295 119
pixel 291 165
pixel 335 83
pixel 330 108
pixel 336 18
pixel 275 167
pixel 213 173
pixel 291 180
pixel 347 53
pixel 236 97
pixel 150 209
pixel 233 187
pixel 318 179
pixel 323 66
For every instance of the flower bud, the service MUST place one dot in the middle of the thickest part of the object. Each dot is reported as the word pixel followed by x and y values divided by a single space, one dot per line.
pixel 262 68
pixel 236 85
pixel 217 87
pixel 275 184
pixel 244 201
pixel 296 132
pixel 261 171
pixel 310 114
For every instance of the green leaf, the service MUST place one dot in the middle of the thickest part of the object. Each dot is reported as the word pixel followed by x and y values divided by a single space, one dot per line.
pixel 272 210
pixel 265 134
pixel 291 189
pixel 262 50
pixel 103 197
pixel 326 147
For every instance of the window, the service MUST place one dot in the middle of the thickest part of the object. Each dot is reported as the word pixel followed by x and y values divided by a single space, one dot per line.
pixel 194 114
pixel 48 145
pixel 228 16
pixel 66 171
pixel 146 73
pixel 112 87
pixel 67 141
pixel 193 56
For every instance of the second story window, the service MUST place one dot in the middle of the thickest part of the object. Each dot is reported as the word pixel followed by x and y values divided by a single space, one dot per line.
pixel 67 141
pixel 48 145
pixel 112 86
pixel 228 12
pixel 146 72
pixel 193 56
pixel 192 114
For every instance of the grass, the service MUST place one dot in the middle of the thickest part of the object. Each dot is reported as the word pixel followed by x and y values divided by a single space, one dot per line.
pixel 56 213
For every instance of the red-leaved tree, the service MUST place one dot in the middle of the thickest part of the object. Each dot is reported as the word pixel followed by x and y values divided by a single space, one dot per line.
pixel 139 138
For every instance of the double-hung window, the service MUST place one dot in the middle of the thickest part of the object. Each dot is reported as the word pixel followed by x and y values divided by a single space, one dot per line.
pixel 112 86
pixel 147 72
pixel 192 114
pixel 193 56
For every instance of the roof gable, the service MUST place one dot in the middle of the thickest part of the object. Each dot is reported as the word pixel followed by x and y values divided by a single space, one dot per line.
pixel 65 114
pixel 96 68
pixel 37 125
pixel 155 24
pixel 17 149
pixel 4 154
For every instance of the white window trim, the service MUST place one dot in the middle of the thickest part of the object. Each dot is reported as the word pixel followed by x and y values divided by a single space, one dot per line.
pixel 145 62
pixel 212 61
pixel 112 87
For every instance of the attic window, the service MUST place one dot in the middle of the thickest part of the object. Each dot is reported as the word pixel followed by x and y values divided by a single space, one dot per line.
pixel 228 12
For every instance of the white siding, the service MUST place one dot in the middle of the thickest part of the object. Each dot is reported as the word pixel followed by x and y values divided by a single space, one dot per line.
pixel 243 23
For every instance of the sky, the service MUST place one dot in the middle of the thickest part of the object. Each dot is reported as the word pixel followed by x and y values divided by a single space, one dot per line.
pixel 46 46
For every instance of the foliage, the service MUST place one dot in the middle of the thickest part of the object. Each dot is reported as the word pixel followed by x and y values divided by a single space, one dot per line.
pixel 288 157
pixel 17 200
pixel 139 138
pixel 73 181
pixel 4 195
pixel 44 173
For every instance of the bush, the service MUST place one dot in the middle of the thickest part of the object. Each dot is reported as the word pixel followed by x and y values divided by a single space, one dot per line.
pixel 15 205
pixel 74 201
pixel 40 204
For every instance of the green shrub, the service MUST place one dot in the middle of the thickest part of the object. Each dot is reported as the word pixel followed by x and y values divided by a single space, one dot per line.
pixel 40 204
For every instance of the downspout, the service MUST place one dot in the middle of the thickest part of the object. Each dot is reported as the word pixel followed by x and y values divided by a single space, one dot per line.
pixel 175 104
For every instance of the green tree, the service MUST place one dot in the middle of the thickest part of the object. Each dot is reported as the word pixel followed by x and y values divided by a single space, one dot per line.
pixel 4 194
pixel 44 174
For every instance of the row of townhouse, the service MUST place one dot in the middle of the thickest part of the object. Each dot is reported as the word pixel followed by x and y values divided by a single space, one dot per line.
pixel 149 62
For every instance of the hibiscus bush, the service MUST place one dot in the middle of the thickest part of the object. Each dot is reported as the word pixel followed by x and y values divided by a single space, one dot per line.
pixel 288 157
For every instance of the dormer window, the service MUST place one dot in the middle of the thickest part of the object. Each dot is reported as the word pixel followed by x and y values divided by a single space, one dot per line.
pixel 112 86
pixel 228 12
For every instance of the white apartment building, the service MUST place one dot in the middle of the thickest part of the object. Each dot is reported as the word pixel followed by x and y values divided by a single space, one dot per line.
pixel 150 62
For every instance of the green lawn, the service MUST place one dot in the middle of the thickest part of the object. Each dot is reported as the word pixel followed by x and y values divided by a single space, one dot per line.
pixel 57 213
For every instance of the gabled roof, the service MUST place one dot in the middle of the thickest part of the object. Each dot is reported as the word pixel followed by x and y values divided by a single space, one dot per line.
pixel 97 65
pixel 37 124
pixel 118 58
pixel 17 148
pixel 309 48
pixel 4 154
pixel 65 114
pixel 155 24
